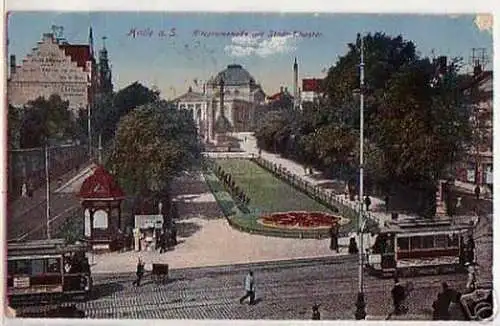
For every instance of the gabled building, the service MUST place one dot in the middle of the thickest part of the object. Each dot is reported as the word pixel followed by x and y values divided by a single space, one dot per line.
pixel 53 67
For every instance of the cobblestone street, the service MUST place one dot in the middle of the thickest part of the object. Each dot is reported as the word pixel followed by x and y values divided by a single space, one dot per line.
pixel 284 290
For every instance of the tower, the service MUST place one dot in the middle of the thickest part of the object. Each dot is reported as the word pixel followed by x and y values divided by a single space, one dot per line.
pixel 105 83
pixel 295 84
pixel 91 42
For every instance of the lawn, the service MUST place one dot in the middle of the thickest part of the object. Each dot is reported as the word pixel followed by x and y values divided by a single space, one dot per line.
pixel 267 193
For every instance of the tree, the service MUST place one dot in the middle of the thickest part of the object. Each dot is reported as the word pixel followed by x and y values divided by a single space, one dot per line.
pixel 152 145
pixel 109 111
pixel 46 120
pixel 15 120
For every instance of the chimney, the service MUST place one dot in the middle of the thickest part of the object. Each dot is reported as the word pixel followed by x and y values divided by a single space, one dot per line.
pixel 12 64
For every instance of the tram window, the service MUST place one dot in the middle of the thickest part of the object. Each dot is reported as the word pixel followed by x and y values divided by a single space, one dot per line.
pixel 37 266
pixel 22 267
pixel 440 240
pixel 452 240
pixel 416 243
pixel 428 242
pixel 403 244
pixel 11 267
pixel 53 265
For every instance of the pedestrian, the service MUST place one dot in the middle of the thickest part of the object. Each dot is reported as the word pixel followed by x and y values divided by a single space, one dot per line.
pixel 353 246
pixel 162 242
pixel 334 237
pixel 174 234
pixel 477 192
pixel 455 310
pixel 139 272
pixel 316 315
pixel 249 288
pixel 24 190
pixel 443 302
pixel 398 296
pixel 368 202
pixel 471 246
pixel 386 200
pixel 471 277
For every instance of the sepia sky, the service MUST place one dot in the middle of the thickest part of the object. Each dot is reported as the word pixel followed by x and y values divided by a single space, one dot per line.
pixel 203 44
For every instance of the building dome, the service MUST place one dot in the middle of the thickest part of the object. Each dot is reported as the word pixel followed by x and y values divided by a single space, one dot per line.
pixel 234 75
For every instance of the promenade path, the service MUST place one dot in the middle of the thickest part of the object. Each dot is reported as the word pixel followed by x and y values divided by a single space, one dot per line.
pixel 206 239
pixel 483 226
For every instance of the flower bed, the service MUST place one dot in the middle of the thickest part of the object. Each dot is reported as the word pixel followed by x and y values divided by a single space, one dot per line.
pixel 301 220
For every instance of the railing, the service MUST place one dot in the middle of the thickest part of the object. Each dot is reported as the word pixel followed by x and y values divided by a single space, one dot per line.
pixel 345 207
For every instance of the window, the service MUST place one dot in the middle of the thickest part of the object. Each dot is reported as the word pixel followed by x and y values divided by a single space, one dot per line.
pixel 416 243
pixel 440 241
pixel 37 267
pixel 53 265
pixel 428 242
pixel 452 240
pixel 22 267
pixel 403 244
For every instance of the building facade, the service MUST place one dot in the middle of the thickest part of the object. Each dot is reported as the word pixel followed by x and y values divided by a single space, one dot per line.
pixel 53 67
pixel 231 98
pixel 311 90
pixel 477 168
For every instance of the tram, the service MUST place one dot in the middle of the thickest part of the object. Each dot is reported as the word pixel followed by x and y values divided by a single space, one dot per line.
pixel 47 268
pixel 418 246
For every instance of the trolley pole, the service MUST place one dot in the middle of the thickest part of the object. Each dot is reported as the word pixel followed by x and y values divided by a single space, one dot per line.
pixel 89 130
pixel 360 302
pixel 47 189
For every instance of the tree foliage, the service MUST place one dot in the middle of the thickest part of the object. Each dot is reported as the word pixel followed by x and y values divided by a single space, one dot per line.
pixel 416 122
pixel 110 109
pixel 45 121
pixel 153 143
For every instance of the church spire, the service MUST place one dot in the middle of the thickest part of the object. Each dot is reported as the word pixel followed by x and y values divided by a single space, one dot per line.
pixel 91 42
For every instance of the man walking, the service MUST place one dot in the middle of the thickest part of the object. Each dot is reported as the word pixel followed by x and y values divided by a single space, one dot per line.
pixel 249 288
pixel 139 272
pixel 477 192
pixel 398 296
pixel 368 202
pixel 334 237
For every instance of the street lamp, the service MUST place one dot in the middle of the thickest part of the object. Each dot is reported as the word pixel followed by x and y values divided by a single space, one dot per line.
pixel 360 301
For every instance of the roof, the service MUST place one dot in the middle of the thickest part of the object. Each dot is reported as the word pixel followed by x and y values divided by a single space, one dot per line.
pixel 234 75
pixel 422 225
pixel 279 96
pixel 79 53
pixel 190 96
pixel 311 85
pixel 43 247
pixel 100 185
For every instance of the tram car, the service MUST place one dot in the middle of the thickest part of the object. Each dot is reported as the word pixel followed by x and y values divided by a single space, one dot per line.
pixel 418 246
pixel 44 269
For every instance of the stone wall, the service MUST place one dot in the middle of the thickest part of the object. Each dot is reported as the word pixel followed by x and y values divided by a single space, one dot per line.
pixel 28 165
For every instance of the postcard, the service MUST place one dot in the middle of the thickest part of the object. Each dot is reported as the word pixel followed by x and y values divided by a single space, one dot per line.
pixel 249 166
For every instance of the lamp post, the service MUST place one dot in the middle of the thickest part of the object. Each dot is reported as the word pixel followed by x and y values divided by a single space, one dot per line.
pixel 360 301
pixel 47 190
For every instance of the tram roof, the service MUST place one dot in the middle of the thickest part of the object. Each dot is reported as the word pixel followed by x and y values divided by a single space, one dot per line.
pixel 422 225
pixel 43 247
